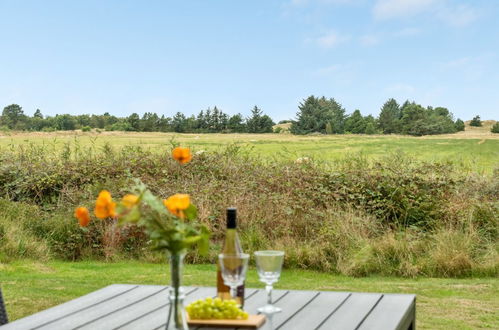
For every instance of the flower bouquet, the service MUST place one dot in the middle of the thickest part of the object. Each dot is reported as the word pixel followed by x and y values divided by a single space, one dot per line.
pixel 170 225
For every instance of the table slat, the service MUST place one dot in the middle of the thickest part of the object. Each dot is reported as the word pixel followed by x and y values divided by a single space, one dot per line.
pixel 394 311
pixel 317 311
pixel 291 303
pixel 127 314
pixel 82 317
pixel 74 306
pixel 352 312
pixel 158 315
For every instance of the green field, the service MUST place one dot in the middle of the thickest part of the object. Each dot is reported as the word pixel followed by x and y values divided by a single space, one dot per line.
pixel 441 303
pixel 474 151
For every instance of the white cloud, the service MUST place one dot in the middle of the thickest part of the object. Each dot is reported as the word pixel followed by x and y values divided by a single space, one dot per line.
pixel 331 39
pixel 386 9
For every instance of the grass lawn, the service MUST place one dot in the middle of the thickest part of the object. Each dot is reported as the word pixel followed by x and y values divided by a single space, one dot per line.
pixel 31 286
pixel 475 152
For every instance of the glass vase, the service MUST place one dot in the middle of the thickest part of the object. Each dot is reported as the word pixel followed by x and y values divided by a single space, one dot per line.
pixel 177 317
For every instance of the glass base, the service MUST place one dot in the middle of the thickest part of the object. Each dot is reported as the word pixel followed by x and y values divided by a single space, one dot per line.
pixel 269 309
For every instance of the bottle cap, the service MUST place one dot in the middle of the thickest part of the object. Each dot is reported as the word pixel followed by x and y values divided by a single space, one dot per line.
pixel 231 217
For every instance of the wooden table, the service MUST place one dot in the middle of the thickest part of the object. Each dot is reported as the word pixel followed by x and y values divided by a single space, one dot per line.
pixel 145 307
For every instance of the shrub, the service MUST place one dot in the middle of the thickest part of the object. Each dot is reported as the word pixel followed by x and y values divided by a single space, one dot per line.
pixel 86 129
pixel 459 125
pixel 353 216
pixel 476 121
pixel 495 127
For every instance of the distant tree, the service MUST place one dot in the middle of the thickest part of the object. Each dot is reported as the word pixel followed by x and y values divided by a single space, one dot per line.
pixel 65 122
pixel 371 125
pixel 459 124
pixel 164 124
pixel 258 122
pixel 389 117
pixel 13 117
pixel 476 121
pixel 370 128
pixel 495 127
pixel 134 122
pixel 179 123
pixel 286 121
pixel 413 119
pixel 236 123
pixel 84 120
pixel 149 122
pixel 337 115
pixel 355 123
pixel 38 114
pixel 314 114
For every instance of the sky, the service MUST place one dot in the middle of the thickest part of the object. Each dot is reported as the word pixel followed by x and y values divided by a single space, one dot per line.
pixel 124 56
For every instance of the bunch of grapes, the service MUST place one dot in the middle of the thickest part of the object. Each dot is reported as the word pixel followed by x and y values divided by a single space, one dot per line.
pixel 217 308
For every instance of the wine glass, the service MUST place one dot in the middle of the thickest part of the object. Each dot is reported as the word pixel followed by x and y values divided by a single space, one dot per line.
pixel 233 268
pixel 269 265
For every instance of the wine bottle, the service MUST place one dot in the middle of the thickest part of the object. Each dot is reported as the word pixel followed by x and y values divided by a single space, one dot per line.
pixel 232 245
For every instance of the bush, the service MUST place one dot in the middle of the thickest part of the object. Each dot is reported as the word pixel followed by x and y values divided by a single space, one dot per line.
pixel 459 125
pixel 86 129
pixel 476 121
pixel 353 217
pixel 495 127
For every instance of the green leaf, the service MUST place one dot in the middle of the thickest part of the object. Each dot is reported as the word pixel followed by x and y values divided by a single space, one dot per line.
pixel 191 212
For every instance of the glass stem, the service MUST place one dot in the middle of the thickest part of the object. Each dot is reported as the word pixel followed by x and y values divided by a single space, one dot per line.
pixel 233 292
pixel 268 288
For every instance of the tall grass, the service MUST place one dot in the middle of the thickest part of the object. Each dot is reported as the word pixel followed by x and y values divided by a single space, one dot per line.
pixel 393 216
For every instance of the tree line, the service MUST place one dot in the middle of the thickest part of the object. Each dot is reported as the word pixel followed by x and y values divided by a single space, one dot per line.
pixel 207 121
pixel 319 115
pixel 327 116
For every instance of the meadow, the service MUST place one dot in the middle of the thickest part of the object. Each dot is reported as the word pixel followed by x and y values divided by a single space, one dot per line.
pixel 475 150
pixel 364 213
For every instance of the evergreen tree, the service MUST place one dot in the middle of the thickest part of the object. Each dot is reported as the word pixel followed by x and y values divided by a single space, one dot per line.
pixel 38 114
pixel 370 128
pixel 179 123
pixel 355 123
pixel 258 122
pixel 315 113
pixel 371 125
pixel 476 121
pixel 389 117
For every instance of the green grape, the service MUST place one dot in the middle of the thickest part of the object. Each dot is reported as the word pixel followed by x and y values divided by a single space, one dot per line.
pixel 216 308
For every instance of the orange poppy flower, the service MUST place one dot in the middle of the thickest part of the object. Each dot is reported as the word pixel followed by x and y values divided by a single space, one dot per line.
pixel 182 155
pixel 104 205
pixel 129 200
pixel 177 203
pixel 83 216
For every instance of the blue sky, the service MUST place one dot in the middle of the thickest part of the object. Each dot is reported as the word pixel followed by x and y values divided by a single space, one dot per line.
pixel 127 56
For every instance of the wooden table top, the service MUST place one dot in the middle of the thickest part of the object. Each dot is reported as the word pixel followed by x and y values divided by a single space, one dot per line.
pixel 144 307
